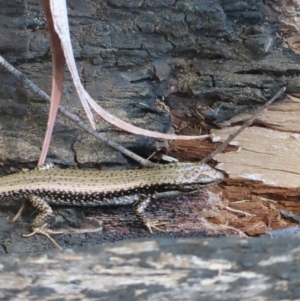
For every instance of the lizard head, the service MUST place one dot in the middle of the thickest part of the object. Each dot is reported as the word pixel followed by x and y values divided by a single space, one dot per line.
pixel 201 174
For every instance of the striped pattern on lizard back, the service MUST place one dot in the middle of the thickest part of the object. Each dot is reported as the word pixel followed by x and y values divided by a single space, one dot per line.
pixel 43 187
pixel 94 188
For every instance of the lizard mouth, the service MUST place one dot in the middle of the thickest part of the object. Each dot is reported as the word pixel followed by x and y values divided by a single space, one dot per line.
pixel 211 176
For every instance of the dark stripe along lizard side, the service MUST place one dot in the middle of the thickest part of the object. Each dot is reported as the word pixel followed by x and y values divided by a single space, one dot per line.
pixel 46 186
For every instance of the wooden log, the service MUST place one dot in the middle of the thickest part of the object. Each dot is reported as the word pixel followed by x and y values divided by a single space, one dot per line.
pixel 161 269
pixel 212 60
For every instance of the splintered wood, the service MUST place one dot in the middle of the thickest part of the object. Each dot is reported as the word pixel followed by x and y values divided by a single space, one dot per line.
pixel 262 168
pixel 269 154
pixel 265 155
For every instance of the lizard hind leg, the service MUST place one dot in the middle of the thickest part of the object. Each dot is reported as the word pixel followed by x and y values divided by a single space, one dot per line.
pixel 39 224
pixel 139 208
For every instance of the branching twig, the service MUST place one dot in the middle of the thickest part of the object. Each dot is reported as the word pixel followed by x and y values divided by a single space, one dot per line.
pixel 243 127
pixel 26 82
pixel 114 145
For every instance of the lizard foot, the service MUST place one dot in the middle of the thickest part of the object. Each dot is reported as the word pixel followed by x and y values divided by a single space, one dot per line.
pixel 46 232
pixel 153 224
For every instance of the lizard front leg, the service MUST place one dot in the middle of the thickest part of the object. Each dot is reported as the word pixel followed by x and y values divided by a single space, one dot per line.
pixel 39 224
pixel 139 208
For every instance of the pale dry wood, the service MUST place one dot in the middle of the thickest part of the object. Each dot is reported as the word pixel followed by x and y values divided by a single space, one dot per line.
pixel 161 269
pixel 246 124
pixel 265 154
pixel 282 116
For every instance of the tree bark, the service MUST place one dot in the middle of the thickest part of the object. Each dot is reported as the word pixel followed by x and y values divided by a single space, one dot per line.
pixel 206 62
pixel 161 269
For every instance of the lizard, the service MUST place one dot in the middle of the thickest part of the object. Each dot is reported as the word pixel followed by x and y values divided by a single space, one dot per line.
pixel 46 186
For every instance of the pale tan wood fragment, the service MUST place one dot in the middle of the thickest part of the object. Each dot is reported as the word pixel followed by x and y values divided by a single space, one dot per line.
pixel 283 116
pixel 265 154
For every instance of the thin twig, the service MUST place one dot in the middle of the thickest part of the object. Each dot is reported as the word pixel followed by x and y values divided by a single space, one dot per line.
pixel 243 127
pixel 27 83
pixel 238 211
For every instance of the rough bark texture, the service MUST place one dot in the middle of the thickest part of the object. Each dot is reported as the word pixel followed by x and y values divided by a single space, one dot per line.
pixel 164 269
pixel 202 59
pixel 131 53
